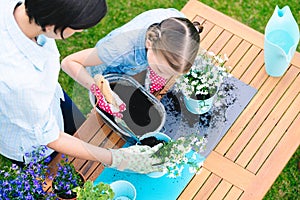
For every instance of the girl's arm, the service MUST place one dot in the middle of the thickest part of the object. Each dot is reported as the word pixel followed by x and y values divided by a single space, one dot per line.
pixel 74 65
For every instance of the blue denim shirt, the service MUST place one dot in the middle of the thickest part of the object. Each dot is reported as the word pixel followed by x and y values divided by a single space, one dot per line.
pixel 123 50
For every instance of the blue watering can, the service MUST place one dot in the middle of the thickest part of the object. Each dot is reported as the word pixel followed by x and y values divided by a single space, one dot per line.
pixel 281 40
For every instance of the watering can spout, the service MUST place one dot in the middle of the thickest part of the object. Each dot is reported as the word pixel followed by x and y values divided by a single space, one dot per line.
pixel 281 40
pixel 280 12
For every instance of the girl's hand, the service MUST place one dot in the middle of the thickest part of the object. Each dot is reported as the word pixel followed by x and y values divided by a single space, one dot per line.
pixel 116 109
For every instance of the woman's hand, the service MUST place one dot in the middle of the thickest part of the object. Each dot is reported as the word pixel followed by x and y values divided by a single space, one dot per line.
pixel 137 158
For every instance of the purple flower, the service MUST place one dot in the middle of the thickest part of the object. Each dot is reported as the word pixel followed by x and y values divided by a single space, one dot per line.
pixel 66 178
pixel 26 183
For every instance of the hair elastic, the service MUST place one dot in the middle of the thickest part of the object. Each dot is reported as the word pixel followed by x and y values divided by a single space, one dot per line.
pixel 198 26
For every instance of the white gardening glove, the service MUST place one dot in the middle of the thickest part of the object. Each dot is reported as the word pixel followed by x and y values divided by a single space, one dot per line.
pixel 137 158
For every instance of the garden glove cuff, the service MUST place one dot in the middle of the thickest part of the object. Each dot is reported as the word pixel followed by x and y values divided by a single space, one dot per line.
pixel 137 158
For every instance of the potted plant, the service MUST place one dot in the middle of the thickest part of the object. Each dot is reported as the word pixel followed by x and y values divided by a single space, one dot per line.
pixel 176 154
pixel 200 85
pixel 66 179
pixel 151 139
pixel 26 182
pixel 100 191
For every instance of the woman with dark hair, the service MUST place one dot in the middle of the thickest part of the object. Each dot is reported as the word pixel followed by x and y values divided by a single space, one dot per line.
pixel 32 106
pixel 73 14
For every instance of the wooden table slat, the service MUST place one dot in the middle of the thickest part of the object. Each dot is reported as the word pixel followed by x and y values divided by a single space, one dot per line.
pixel 211 37
pixel 247 115
pixel 253 69
pixel 195 184
pixel 278 131
pixel 228 170
pixel 221 190
pixel 246 61
pixel 218 45
pixel 231 45
pixel 268 173
pixel 88 128
pixel 260 78
pixel 234 193
pixel 237 55
pixel 206 191
pixel 271 121
pixel 261 114
pixel 208 26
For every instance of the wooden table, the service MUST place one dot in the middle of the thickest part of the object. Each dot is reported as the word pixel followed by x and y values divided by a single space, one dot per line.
pixel 259 144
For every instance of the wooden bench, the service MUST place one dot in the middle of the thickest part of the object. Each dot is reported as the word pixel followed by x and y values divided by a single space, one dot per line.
pixel 256 148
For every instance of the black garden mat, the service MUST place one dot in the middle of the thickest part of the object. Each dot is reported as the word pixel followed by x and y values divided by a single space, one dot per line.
pixel 213 124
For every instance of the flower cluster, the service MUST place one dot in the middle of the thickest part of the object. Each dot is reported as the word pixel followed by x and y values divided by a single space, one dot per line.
pixel 66 179
pixel 205 76
pixel 27 182
pixel 178 153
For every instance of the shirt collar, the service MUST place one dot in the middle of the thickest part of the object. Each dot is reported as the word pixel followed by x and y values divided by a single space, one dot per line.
pixel 34 52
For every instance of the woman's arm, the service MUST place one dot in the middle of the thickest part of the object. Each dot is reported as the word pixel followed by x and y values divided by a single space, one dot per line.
pixel 138 158
pixel 74 65
pixel 70 145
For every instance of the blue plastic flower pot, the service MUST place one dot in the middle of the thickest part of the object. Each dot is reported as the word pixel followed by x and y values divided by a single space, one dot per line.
pixel 123 190
pixel 198 106
pixel 159 136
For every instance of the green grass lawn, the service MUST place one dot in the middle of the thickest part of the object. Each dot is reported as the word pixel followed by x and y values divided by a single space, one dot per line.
pixel 250 12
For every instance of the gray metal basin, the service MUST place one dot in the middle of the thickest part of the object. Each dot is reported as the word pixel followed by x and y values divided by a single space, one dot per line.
pixel 144 112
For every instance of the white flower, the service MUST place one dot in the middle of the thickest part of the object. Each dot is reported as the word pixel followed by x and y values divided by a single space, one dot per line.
pixel 192 170
pixel 199 87
pixel 177 154
pixel 186 80
pixel 171 175
pixel 225 57
pixel 195 82
pixel 210 81
pixel 194 74
pixel 194 156
pixel 206 74
pixel 210 53
pixel 219 59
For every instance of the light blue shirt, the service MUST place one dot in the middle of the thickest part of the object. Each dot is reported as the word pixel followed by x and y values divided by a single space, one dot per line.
pixel 30 113
pixel 123 50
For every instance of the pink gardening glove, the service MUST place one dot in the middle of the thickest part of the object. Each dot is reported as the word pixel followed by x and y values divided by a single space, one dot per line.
pixel 114 110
